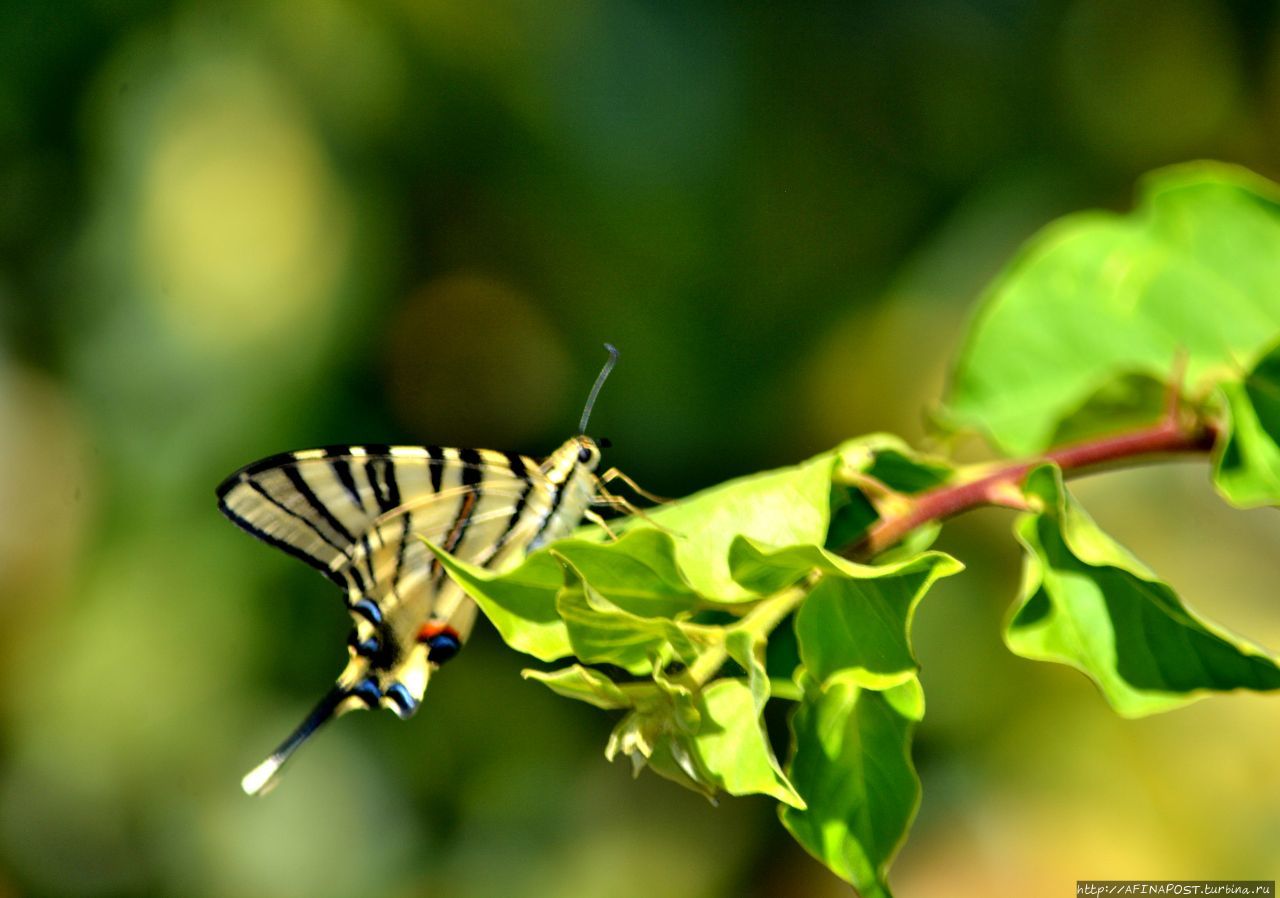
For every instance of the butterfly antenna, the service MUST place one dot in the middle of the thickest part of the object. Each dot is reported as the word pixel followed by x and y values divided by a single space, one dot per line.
pixel 595 389
pixel 262 778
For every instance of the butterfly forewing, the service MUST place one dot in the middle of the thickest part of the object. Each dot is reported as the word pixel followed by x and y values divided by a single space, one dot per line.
pixel 341 507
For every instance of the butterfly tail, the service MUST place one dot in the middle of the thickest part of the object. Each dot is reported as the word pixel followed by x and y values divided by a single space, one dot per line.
pixel 262 779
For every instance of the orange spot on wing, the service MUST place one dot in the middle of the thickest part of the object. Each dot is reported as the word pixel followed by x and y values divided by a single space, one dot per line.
pixel 432 629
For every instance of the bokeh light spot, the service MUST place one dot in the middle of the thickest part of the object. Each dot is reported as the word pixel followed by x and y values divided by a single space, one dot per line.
pixel 1149 81
pixel 475 362
pixel 44 486
pixel 242 232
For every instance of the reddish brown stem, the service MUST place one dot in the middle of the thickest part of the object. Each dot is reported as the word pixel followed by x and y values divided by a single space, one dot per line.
pixel 1000 486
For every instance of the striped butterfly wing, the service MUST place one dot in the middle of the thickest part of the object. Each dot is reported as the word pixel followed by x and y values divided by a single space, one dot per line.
pixel 356 514
pixel 339 508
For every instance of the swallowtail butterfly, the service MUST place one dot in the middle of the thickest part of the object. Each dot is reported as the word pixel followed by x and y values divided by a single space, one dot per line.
pixel 355 513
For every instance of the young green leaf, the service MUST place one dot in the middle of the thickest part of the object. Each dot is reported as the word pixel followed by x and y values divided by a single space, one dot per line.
pixel 748 650
pixel 868 466
pixel 851 762
pixel 891 461
pixel 862 627
pixel 637 573
pixel 658 733
pixel 583 684
pixel 1247 469
pixel 1097 296
pixel 732 747
pixel 710 740
pixel 1087 603
pixel 781 507
pixel 521 603
pixel 857 618
pixel 766 569
pixel 602 633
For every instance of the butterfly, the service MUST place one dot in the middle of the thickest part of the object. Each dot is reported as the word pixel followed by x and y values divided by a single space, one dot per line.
pixel 359 515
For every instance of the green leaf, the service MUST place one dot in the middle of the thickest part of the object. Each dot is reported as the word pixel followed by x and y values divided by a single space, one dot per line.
pixel 521 603
pixel 851 762
pixel 637 573
pixel 1194 270
pixel 1127 402
pixel 732 747
pixel 857 618
pixel 583 684
pixel 917 541
pixel 782 507
pixel 1088 603
pixel 709 741
pixel 851 515
pixel 1247 468
pixel 862 627
pixel 671 759
pixel 880 460
pixel 907 699
pixel 602 633
pixel 748 650
pixel 659 732
pixel 767 569
pixel 892 462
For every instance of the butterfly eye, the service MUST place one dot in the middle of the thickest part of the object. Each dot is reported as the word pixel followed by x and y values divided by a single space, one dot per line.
pixel 584 454
pixel 604 443
pixel 441 640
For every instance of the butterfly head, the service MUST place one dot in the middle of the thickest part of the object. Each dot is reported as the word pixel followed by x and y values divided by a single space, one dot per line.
pixel 581 454
pixel 588 454
pixel 572 466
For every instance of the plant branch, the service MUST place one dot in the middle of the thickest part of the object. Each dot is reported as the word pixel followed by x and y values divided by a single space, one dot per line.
pixel 760 620
pixel 1001 485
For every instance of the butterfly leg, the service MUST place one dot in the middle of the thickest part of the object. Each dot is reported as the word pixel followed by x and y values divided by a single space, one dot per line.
pixel 609 500
pixel 614 474
pixel 595 518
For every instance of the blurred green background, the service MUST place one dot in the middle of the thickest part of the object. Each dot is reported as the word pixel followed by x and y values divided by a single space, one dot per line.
pixel 232 229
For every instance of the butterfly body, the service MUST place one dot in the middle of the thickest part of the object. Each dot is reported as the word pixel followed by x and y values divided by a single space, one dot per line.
pixel 360 515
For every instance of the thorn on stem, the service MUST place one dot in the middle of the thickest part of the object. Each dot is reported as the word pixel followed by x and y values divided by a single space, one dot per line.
pixel 883 498
pixel 1174 389
pixel 1008 495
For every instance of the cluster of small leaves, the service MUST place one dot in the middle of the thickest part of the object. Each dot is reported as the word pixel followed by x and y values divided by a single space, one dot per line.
pixel 684 603
pixel 669 625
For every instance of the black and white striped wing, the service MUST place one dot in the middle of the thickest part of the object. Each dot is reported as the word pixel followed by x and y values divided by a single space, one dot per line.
pixel 355 513
pixel 352 512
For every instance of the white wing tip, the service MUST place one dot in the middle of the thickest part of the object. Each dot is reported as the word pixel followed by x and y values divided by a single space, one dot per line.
pixel 261 779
